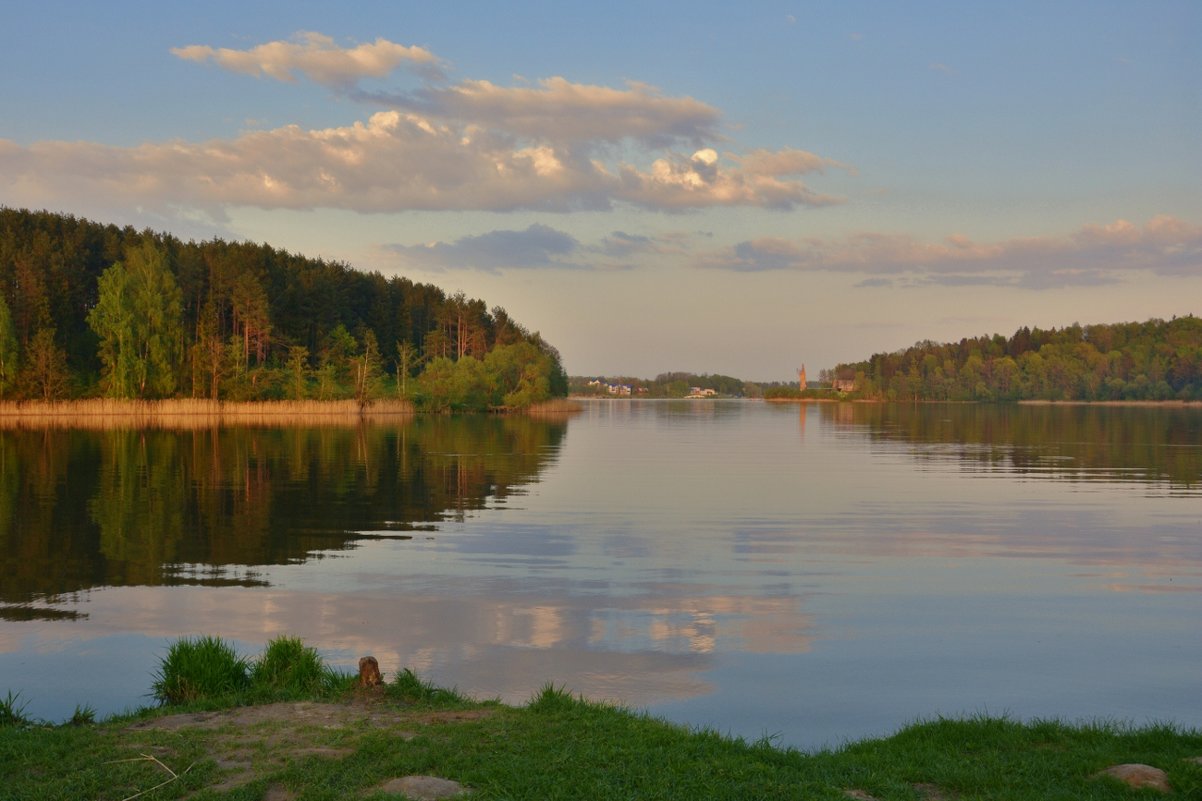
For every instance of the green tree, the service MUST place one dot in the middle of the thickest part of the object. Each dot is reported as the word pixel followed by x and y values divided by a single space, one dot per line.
pixel 368 368
pixel 45 375
pixel 138 319
pixel 252 317
pixel 455 386
pixel 406 358
pixel 521 374
pixel 298 370
pixel 8 350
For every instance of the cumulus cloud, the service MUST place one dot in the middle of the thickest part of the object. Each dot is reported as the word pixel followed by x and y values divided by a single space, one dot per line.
pixel 558 110
pixel 316 57
pixel 553 146
pixel 392 162
pixel 677 182
pixel 1094 254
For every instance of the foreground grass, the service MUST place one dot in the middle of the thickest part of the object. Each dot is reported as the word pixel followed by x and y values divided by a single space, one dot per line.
pixel 560 747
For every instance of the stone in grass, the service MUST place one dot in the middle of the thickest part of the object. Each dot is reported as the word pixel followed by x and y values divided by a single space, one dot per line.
pixel 1139 776
pixel 424 788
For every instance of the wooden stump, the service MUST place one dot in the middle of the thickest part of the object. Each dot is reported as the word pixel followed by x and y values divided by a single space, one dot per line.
pixel 369 672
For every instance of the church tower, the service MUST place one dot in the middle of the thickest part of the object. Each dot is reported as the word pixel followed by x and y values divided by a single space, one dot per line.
pixel 801 377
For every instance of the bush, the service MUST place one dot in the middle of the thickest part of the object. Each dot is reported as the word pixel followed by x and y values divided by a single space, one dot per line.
pixel 200 669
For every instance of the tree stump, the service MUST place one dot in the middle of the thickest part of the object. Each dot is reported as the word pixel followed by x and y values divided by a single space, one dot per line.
pixel 369 672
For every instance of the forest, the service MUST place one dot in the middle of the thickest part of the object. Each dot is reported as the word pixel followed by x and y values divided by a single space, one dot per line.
pixel 93 310
pixel 1156 360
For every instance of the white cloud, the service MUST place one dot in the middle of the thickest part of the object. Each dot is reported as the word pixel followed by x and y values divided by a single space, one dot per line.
pixel 675 182
pixel 561 111
pixel 391 162
pixel 554 146
pixel 316 57
pixel 1092 255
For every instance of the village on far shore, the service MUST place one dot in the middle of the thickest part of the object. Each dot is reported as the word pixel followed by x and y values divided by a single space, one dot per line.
pixel 691 386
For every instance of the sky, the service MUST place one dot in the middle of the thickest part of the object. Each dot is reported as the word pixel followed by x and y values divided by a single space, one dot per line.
pixel 705 187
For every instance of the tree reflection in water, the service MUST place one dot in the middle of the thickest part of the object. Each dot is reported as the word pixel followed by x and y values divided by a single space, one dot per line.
pixel 85 509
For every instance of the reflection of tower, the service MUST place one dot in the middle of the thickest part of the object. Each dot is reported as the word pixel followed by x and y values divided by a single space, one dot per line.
pixel 801 377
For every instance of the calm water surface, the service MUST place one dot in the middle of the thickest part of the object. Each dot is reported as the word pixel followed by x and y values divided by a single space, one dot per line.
pixel 813 573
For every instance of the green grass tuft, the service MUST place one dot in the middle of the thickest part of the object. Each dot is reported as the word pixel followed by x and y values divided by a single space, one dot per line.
pixel 84 715
pixel 12 713
pixel 552 699
pixel 201 669
pixel 408 687
pixel 289 668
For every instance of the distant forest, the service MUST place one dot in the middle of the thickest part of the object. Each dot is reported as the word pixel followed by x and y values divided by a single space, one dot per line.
pixel 89 310
pixel 664 385
pixel 1153 360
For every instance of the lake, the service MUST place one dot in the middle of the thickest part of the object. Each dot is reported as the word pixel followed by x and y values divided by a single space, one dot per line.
pixel 811 573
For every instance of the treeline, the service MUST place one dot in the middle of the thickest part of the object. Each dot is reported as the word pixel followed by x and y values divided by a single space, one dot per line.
pixel 1153 360
pixel 90 310
pixel 665 385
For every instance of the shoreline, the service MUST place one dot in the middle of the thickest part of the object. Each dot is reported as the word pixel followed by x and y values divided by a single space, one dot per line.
pixel 1165 404
pixel 192 413
pixel 407 736
pixel 189 413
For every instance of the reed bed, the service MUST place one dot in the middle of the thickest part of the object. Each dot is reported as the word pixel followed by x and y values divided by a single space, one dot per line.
pixel 192 413
pixel 560 407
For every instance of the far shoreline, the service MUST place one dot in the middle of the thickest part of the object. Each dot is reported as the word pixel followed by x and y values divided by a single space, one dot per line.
pixel 1155 404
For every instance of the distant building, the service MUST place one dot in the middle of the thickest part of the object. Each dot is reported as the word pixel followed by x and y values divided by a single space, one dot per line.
pixel 801 378
pixel 844 382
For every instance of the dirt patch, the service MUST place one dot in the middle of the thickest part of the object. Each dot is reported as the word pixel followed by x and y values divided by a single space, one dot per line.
pixel 247 743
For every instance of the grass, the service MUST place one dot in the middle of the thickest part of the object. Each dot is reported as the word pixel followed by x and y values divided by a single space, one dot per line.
pixel 206 671
pixel 199 670
pixel 557 746
pixel 290 669
pixel 12 712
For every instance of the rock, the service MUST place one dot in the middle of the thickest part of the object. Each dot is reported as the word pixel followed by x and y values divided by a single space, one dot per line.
pixel 369 672
pixel 424 788
pixel 1139 776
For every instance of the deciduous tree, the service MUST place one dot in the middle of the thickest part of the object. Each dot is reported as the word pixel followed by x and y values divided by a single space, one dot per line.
pixel 8 351
pixel 138 319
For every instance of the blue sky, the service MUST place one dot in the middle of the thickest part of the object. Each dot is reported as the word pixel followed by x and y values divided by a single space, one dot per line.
pixel 654 187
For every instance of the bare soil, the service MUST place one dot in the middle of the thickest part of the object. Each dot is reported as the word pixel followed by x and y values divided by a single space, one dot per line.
pixel 247 743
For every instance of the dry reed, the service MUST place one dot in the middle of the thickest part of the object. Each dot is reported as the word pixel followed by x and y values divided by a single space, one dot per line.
pixel 191 413
pixel 560 407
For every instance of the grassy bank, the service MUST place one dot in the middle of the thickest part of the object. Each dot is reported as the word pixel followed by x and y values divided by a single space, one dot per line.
pixel 308 735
